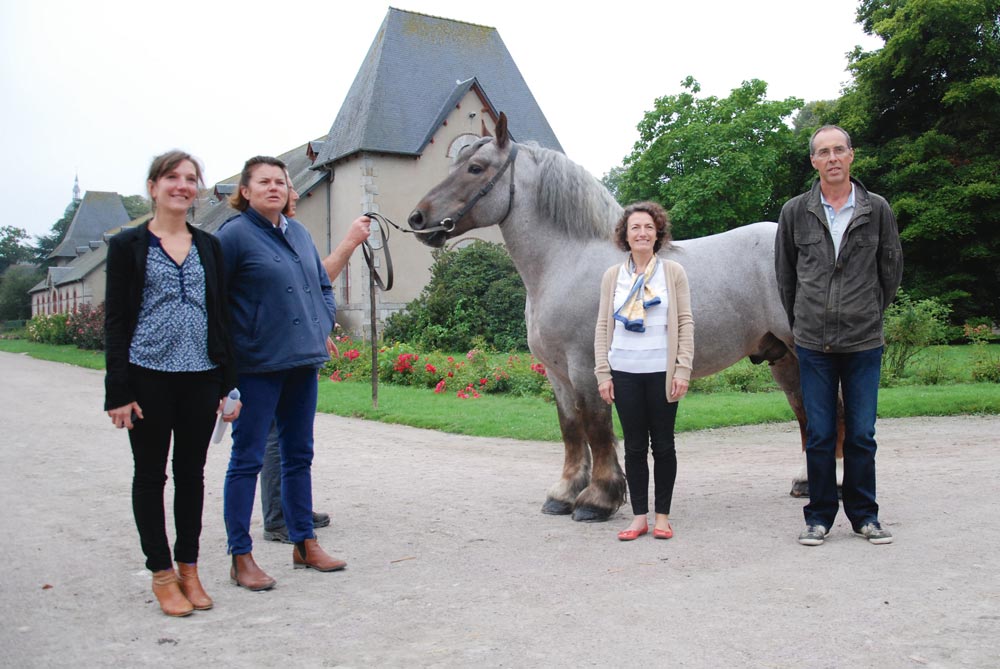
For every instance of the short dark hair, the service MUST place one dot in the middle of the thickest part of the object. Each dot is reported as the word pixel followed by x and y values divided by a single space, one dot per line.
pixel 660 219
pixel 820 129
pixel 165 162
pixel 236 200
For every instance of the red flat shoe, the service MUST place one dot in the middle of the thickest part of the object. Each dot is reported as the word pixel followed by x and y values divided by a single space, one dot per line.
pixel 632 535
pixel 663 534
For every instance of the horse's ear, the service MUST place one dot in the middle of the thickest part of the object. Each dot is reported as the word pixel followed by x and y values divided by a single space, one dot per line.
pixel 501 129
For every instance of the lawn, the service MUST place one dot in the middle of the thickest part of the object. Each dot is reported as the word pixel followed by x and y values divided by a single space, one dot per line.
pixel 535 419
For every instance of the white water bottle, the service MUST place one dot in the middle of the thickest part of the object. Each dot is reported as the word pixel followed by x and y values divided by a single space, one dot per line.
pixel 227 408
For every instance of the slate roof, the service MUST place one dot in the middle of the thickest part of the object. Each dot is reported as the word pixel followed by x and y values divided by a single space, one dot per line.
pixel 99 212
pixel 417 67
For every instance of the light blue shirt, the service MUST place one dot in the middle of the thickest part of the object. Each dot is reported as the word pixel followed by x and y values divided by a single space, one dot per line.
pixel 838 221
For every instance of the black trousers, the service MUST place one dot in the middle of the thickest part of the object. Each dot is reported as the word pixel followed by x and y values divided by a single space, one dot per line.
pixel 647 421
pixel 182 405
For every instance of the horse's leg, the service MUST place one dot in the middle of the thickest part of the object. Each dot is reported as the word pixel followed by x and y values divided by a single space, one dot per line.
pixel 606 492
pixel 576 459
pixel 785 370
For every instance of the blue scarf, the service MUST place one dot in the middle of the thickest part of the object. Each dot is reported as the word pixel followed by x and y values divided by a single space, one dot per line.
pixel 632 313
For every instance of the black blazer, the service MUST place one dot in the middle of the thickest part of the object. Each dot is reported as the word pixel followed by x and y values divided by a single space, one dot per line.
pixel 126 280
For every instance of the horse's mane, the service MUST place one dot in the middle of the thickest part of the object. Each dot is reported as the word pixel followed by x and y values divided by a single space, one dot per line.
pixel 570 197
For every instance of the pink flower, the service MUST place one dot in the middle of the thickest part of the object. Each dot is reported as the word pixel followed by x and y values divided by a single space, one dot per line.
pixel 335 377
pixel 440 387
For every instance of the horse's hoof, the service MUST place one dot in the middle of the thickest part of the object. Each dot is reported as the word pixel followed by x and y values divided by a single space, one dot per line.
pixel 555 507
pixel 591 514
pixel 799 489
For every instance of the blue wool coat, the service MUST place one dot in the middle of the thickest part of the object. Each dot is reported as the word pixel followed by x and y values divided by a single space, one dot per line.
pixel 280 298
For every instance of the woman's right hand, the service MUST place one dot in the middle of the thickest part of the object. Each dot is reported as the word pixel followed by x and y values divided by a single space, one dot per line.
pixel 122 416
pixel 607 391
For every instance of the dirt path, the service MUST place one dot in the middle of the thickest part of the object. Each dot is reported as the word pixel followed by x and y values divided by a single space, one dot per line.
pixel 451 563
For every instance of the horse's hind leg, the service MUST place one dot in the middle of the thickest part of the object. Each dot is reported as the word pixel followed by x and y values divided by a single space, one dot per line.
pixel 785 370
pixel 576 459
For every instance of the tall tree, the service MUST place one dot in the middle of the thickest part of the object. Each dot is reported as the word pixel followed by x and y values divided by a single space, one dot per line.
pixel 136 206
pixel 925 110
pixel 714 163
pixel 12 247
pixel 15 302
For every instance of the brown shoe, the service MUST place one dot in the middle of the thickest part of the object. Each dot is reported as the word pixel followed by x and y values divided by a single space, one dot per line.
pixel 187 576
pixel 309 554
pixel 168 594
pixel 246 574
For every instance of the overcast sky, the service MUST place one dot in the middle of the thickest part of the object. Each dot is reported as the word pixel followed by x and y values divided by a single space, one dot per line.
pixel 99 87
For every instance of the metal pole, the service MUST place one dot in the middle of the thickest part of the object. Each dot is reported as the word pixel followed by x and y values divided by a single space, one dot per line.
pixel 371 297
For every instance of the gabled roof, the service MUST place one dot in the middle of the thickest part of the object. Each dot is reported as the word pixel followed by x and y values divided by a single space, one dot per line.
pixel 413 70
pixel 98 212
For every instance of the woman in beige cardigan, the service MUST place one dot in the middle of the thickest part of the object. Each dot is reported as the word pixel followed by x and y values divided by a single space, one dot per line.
pixel 644 348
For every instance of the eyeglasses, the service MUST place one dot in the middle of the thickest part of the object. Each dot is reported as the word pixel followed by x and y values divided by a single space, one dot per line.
pixel 838 151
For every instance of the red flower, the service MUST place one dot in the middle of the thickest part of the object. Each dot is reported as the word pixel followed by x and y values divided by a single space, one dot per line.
pixel 440 387
pixel 482 382
pixel 430 368
pixel 335 377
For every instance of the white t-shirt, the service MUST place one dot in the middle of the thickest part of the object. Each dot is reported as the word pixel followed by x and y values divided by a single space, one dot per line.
pixel 641 352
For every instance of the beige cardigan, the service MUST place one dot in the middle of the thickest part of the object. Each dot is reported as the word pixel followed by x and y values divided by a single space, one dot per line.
pixel 680 325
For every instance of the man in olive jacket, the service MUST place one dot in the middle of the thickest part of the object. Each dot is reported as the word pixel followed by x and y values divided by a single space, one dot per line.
pixel 839 263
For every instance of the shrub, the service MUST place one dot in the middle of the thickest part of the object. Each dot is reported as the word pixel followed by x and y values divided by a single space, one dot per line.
pixel 86 327
pixel 49 329
pixel 985 366
pixel 473 292
pixel 910 326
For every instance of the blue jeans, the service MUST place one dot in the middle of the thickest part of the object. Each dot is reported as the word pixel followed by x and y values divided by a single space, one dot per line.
pixel 289 398
pixel 270 483
pixel 857 376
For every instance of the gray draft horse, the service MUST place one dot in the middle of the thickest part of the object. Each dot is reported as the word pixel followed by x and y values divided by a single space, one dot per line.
pixel 557 220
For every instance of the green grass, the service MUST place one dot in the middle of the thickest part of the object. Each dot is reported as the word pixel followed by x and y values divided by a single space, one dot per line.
pixel 535 419
pixel 68 353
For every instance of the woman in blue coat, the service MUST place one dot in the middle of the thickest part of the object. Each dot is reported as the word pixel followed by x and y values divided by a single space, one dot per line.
pixel 282 309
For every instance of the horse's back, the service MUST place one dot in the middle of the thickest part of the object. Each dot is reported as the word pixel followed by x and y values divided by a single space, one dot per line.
pixel 734 293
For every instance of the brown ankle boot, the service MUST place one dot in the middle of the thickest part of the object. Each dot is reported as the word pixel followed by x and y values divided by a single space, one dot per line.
pixel 168 594
pixel 309 554
pixel 187 575
pixel 246 574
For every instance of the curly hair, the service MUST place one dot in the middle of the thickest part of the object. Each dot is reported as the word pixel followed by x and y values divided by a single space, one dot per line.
pixel 660 219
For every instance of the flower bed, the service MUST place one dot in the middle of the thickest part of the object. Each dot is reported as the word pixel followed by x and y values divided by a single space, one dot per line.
pixel 466 376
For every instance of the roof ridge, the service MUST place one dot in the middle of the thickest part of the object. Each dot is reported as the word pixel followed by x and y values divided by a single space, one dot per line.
pixel 441 18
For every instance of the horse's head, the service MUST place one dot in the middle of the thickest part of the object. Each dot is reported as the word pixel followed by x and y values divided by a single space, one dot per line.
pixel 467 199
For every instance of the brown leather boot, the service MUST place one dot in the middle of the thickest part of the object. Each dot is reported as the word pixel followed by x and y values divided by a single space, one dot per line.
pixel 168 594
pixel 187 575
pixel 246 574
pixel 309 554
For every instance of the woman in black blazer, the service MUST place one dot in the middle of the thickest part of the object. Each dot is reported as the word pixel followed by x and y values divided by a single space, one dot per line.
pixel 169 364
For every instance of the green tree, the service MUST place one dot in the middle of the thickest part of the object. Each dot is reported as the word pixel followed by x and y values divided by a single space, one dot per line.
pixel 46 244
pixel 474 292
pixel 924 112
pixel 12 247
pixel 15 303
pixel 714 163
pixel 136 206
